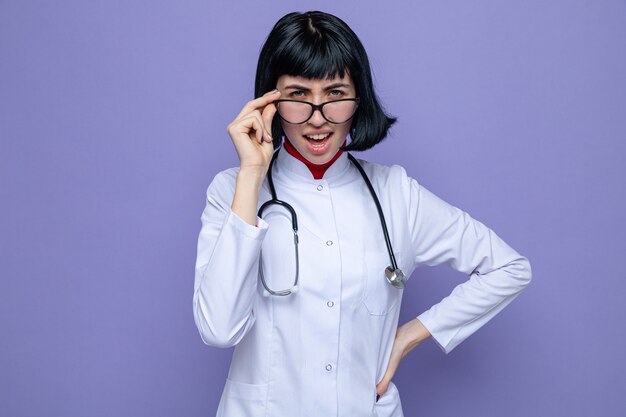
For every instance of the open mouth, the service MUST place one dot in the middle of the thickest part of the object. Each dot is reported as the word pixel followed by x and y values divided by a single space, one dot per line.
pixel 318 144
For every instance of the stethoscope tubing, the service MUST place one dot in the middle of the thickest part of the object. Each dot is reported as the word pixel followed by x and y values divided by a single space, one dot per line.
pixel 381 216
pixel 294 222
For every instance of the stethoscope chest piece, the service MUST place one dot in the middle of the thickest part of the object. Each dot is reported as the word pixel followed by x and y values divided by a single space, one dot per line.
pixel 395 277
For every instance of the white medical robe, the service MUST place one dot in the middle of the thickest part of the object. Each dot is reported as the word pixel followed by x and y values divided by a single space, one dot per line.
pixel 321 351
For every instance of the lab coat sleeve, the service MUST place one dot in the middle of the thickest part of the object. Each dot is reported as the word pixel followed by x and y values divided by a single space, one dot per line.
pixel 442 233
pixel 226 268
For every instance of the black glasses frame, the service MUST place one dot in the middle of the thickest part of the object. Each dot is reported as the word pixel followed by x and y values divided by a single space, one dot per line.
pixel 314 107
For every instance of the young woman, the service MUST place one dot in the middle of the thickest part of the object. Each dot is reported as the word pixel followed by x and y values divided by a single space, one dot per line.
pixel 308 288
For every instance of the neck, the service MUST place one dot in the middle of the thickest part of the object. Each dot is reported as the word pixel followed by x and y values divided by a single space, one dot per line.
pixel 317 170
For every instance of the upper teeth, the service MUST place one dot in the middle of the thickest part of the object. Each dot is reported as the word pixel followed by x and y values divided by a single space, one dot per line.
pixel 318 137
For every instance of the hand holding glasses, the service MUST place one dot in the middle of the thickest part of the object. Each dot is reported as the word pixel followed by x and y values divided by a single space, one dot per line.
pixel 296 112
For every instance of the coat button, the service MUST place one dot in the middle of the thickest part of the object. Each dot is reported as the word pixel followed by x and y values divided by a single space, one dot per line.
pixel 329 367
pixel 320 187
pixel 330 304
pixel 329 243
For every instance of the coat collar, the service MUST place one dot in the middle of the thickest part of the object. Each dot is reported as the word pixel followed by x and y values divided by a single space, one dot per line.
pixel 288 166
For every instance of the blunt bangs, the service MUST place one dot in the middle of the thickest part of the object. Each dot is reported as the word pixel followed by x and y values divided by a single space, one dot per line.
pixel 311 56
pixel 318 45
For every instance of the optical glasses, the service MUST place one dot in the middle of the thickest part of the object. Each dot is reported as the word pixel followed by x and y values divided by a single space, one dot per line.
pixel 297 112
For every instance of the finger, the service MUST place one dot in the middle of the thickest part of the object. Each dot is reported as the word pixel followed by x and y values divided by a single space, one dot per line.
pixel 252 123
pixel 392 367
pixel 260 102
pixel 381 388
pixel 267 136
pixel 268 115
pixel 265 120
pixel 261 131
pixel 257 115
pixel 254 113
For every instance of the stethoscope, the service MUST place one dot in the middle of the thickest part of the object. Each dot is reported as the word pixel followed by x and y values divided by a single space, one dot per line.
pixel 394 275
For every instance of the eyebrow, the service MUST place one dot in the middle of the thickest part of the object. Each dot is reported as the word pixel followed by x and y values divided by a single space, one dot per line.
pixel 327 88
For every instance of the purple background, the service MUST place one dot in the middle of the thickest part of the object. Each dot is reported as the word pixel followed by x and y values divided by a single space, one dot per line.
pixel 112 125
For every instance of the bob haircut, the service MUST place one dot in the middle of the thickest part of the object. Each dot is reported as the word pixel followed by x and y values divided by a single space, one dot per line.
pixel 318 45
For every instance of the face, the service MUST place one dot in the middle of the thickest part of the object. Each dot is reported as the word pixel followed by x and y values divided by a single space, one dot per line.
pixel 317 139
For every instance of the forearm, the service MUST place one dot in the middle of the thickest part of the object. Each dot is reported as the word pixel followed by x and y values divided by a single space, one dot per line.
pixel 412 334
pixel 246 198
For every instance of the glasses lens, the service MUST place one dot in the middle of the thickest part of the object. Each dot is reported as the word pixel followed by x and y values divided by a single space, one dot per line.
pixel 339 111
pixel 294 111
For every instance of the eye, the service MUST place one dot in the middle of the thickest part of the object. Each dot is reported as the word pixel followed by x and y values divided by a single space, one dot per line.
pixel 297 94
pixel 336 93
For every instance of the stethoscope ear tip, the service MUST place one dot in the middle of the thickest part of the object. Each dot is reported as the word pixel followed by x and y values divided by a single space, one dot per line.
pixel 294 289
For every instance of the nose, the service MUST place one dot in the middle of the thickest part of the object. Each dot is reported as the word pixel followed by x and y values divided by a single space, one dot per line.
pixel 316 118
